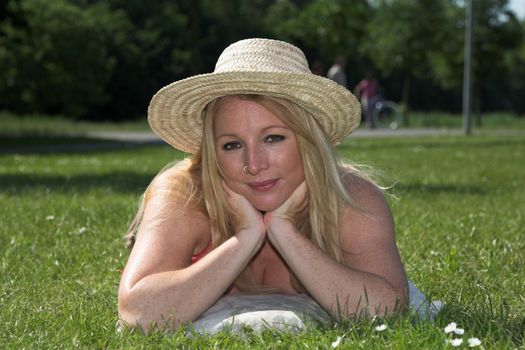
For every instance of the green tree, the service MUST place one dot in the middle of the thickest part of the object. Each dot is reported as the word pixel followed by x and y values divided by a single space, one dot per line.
pixel 324 28
pixel 152 47
pixel 496 32
pixel 515 62
pixel 172 40
pixel 53 57
pixel 496 35
pixel 400 37
pixel 446 60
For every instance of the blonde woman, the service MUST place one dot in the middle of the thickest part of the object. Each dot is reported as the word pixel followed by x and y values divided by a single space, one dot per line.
pixel 263 206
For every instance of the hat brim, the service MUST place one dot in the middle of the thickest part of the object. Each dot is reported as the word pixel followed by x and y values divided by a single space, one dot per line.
pixel 175 111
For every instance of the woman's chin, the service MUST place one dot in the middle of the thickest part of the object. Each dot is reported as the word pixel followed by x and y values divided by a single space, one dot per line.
pixel 267 206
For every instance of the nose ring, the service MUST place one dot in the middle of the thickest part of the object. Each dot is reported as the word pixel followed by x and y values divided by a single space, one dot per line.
pixel 245 170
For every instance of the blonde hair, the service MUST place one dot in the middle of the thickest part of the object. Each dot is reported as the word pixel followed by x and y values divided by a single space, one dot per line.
pixel 199 179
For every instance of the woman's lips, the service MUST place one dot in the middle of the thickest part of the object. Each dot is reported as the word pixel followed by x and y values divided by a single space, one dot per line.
pixel 264 185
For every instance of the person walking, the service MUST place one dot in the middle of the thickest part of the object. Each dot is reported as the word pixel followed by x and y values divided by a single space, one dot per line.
pixel 337 71
pixel 367 91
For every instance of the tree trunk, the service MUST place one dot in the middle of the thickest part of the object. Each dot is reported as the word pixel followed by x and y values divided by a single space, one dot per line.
pixel 477 105
pixel 405 107
pixel 195 35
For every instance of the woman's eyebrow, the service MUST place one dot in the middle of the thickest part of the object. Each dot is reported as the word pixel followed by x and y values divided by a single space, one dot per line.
pixel 265 129
pixel 276 126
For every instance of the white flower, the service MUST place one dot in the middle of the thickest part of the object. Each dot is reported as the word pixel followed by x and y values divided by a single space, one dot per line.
pixel 451 327
pixel 472 342
pixel 336 343
pixel 459 331
pixel 82 230
pixel 455 341
pixel 50 217
pixel 381 328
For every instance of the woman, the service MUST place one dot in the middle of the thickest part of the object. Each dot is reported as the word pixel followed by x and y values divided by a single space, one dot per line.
pixel 263 205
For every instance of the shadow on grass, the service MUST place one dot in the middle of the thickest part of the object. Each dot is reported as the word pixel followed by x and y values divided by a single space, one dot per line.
pixel 486 316
pixel 432 143
pixel 35 143
pixel 117 181
pixel 403 188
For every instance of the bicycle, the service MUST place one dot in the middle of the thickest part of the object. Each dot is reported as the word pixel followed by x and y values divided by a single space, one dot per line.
pixel 387 114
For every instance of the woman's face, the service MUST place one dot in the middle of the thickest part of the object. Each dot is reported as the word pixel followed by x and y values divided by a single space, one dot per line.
pixel 247 134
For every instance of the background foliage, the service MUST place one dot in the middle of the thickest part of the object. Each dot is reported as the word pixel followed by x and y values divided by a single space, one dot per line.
pixel 105 59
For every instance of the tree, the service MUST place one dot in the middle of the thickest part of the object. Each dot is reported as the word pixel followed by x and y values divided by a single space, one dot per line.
pixel 400 37
pixel 496 31
pixel 325 28
pixel 497 35
pixel 152 47
pixel 53 58
pixel 514 91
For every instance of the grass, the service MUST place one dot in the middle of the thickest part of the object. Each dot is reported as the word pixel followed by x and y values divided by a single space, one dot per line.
pixel 36 124
pixel 457 201
pixel 492 120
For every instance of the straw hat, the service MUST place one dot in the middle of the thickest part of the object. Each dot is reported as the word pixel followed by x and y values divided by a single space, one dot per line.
pixel 252 66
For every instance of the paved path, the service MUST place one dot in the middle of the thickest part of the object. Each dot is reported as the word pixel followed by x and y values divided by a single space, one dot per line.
pixel 150 137
pixel 127 139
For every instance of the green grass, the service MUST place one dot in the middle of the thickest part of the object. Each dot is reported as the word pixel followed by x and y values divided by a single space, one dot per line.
pixel 458 203
pixel 25 133
pixel 41 125
pixel 502 120
pixel 12 124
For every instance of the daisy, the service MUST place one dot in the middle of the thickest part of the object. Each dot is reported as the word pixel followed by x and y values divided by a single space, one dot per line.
pixel 381 328
pixel 455 342
pixel 336 343
pixel 472 342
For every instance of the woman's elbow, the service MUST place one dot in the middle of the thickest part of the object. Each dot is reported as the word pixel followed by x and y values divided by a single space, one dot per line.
pixel 135 314
pixel 383 303
pixel 130 316
pixel 395 303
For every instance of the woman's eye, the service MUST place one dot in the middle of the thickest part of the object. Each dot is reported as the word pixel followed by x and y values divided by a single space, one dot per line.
pixel 274 138
pixel 231 146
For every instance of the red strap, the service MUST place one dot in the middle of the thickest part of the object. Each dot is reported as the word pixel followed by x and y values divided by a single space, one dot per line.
pixel 200 254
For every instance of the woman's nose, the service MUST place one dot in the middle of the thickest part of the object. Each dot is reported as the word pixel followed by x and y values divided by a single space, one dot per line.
pixel 256 159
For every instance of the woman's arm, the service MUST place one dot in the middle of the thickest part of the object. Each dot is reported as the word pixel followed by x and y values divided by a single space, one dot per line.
pixel 371 279
pixel 159 286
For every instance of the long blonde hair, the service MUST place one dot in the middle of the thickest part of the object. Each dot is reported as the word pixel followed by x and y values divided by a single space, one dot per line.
pixel 324 173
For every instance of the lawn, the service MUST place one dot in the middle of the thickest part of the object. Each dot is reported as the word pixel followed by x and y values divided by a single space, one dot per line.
pixel 459 208
pixel 45 125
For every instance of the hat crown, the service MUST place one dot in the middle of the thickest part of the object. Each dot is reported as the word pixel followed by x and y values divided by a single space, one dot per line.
pixel 262 55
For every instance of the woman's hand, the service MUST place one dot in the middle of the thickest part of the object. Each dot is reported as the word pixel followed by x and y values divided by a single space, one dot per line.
pixel 290 211
pixel 245 216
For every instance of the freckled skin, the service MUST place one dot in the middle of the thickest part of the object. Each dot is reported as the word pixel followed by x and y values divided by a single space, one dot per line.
pixel 159 282
pixel 247 134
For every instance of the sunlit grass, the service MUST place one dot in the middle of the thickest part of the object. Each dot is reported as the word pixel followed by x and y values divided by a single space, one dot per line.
pixel 492 120
pixel 37 124
pixel 457 201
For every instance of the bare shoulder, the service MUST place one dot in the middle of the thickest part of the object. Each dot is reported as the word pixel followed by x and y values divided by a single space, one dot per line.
pixel 168 203
pixel 367 231
pixel 367 221
pixel 173 178
pixel 365 194
pixel 170 231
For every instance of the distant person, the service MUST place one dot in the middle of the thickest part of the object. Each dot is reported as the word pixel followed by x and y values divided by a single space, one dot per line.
pixel 337 71
pixel 318 68
pixel 367 91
